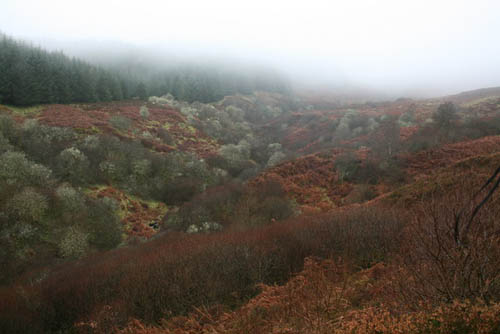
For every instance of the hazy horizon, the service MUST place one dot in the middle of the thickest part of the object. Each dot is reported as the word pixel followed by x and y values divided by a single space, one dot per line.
pixel 422 49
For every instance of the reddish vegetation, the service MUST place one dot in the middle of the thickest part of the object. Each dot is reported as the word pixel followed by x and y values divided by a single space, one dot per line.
pixel 186 139
pixel 436 275
pixel 311 180
pixel 470 96
pixel 301 304
pixel 320 300
pixel 442 181
pixel 425 162
pixel 305 132
pixel 69 116
pixel 487 108
pixel 325 298
pixel 314 183
pixel 174 273
pixel 424 291
pixel 405 133
pixel 90 118
pixel 311 131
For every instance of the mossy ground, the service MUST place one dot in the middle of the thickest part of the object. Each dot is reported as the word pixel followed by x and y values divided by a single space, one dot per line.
pixel 140 218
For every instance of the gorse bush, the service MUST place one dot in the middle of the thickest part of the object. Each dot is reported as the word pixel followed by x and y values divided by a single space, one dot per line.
pixel 121 123
pixel 71 200
pixel 4 144
pixel 72 165
pixel 28 205
pixel 16 170
pixel 74 243
pixel 43 143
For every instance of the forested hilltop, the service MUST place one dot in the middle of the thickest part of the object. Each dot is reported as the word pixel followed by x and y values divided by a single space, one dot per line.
pixel 30 75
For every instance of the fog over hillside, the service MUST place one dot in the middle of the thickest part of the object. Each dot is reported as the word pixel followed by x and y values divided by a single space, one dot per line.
pixel 424 48
pixel 224 167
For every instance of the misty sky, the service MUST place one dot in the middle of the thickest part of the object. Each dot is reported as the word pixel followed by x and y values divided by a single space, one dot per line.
pixel 424 47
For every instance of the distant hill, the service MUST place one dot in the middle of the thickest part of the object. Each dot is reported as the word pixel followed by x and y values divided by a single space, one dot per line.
pixel 473 95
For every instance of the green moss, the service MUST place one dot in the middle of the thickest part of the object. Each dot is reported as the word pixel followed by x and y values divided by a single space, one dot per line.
pixel 26 111
pixel 324 195
pixel 125 201
pixel 153 124
pixel 88 131
pixel 94 189
pixel 151 204
pixel 188 128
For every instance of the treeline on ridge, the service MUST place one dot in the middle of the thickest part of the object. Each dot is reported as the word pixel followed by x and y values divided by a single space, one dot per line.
pixel 31 75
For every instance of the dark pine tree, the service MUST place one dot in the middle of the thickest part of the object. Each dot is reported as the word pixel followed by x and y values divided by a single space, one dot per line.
pixel 141 91
pixel 30 75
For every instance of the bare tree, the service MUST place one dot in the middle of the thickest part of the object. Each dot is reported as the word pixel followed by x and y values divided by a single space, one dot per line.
pixel 453 246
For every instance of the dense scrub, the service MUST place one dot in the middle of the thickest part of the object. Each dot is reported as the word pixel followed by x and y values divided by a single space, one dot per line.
pixel 326 298
pixel 437 280
pixel 47 181
pixel 173 273
pixel 65 162
pixel 387 271
pixel 83 186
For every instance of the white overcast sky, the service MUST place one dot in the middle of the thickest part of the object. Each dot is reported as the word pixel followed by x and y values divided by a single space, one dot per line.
pixel 447 45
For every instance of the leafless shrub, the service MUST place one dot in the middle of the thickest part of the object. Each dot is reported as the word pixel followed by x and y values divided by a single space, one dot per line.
pixel 452 248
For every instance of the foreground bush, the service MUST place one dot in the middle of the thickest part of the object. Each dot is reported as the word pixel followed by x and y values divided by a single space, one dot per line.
pixel 170 275
pixel 326 298
pixel 452 248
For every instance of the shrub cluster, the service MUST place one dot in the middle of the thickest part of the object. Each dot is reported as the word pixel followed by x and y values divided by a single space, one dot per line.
pixel 235 206
pixel 44 213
